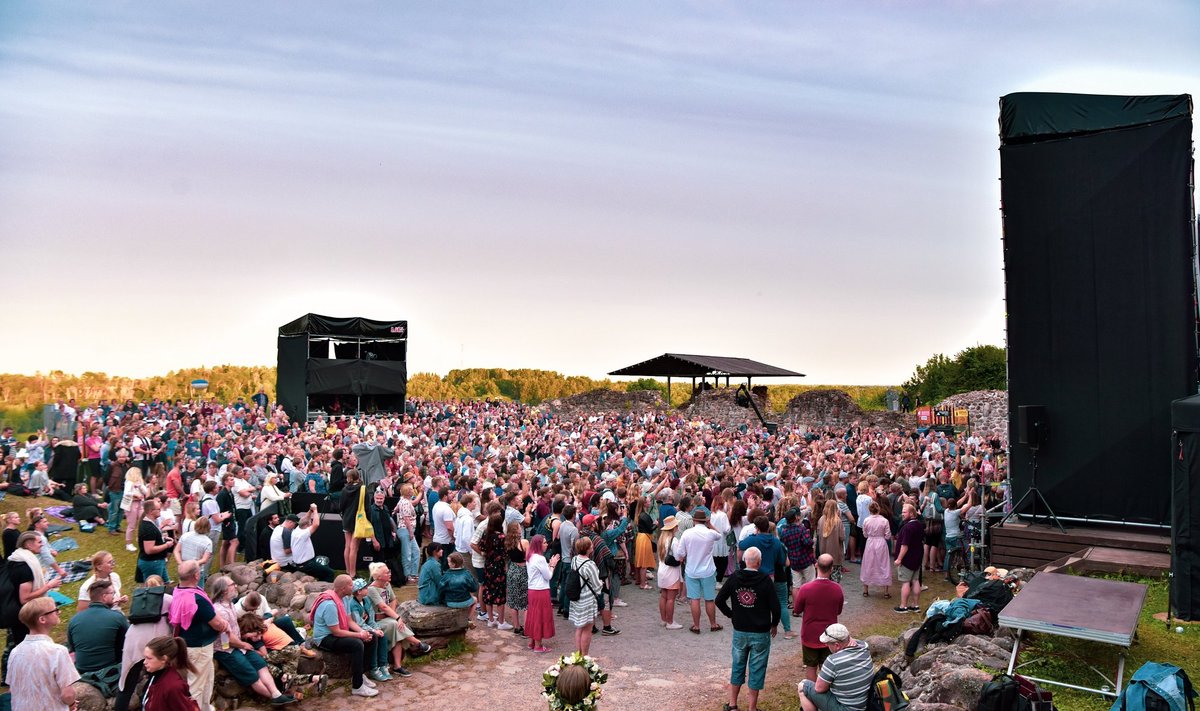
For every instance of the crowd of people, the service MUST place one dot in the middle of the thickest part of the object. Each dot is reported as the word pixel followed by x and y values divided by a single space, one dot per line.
pixel 519 516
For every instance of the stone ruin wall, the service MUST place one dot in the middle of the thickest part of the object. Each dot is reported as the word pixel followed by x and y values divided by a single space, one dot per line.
pixel 988 408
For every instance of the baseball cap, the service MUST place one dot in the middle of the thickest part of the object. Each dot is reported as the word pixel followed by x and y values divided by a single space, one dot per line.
pixel 835 633
pixel 589 519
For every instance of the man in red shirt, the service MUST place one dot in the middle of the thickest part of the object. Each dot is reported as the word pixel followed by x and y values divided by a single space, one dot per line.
pixel 820 602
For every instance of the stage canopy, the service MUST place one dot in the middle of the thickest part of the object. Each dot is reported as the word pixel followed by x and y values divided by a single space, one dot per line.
pixel 317 325
pixel 679 365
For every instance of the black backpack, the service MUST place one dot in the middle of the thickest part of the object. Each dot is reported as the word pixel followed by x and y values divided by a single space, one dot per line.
pixel 10 599
pixel 147 604
pixel 886 692
pixel 575 583
pixel 1002 693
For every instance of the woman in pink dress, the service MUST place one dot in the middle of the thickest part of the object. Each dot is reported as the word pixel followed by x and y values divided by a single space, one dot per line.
pixel 876 561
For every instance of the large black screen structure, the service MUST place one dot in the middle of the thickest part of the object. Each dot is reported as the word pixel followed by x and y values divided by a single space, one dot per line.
pixel 341 366
pixel 1099 282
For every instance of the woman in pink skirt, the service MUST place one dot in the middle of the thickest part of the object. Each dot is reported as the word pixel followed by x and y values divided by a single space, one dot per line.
pixel 876 561
pixel 539 619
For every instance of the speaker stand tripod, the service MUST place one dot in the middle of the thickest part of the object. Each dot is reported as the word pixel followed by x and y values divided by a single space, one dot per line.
pixel 1036 493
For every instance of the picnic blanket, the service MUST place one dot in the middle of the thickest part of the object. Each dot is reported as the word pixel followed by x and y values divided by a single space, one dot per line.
pixel 62 545
pixel 60 512
pixel 76 570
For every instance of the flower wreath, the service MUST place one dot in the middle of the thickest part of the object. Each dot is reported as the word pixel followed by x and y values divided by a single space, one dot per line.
pixel 596 678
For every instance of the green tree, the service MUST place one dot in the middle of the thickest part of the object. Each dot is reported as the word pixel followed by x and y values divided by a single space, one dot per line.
pixel 648 384
pixel 980 367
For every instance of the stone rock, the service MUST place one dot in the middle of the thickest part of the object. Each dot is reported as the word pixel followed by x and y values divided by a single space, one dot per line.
pixel 226 686
pixel 429 621
pixel 274 594
pixel 317 587
pixel 309 601
pixel 88 698
pixel 297 602
pixel 721 405
pixel 881 647
pixel 923 706
pixel 829 407
pixel 310 665
pixel 1022 574
pixel 957 686
pixel 337 666
pixel 243 574
pixel 438 641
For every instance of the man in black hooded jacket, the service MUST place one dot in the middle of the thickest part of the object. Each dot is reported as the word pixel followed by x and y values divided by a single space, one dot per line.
pixel 748 598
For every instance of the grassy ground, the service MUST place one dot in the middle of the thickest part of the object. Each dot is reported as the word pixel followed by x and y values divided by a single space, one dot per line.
pixel 89 543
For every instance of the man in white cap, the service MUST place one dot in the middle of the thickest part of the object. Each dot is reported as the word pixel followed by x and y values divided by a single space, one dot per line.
pixel 845 677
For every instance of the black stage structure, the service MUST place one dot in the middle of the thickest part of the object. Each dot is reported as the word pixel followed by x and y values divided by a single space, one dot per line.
pixel 1185 509
pixel 341 366
pixel 1099 258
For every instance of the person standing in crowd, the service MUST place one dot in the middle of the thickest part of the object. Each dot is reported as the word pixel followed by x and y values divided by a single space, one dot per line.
pixel 41 673
pixel 774 562
pixel 131 504
pixel 495 572
pixel 820 603
pixel 137 637
pixel 115 490
pixel 568 533
pixel 349 512
pixel 193 615
pixel 876 561
pixel 406 519
pixel 539 621
pixel 798 542
pixel 584 610
pixel 845 678
pixel 669 573
pixel 442 515
pixel 755 612
pixel 700 572
pixel 153 546
pixel 29 579
pixel 334 631
pixel 910 543
pixel 372 457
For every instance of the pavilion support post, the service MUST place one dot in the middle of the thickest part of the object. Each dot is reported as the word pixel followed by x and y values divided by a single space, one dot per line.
pixel 668 392
pixel 693 386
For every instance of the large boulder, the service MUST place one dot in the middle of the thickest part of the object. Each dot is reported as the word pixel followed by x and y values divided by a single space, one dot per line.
pixel 956 686
pixel 430 621
pixel 881 647
pixel 243 574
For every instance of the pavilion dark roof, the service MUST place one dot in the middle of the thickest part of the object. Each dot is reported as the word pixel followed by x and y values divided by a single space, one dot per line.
pixel 682 365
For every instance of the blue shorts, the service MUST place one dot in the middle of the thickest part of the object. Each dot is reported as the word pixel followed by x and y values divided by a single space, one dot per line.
pixel 242 666
pixel 701 588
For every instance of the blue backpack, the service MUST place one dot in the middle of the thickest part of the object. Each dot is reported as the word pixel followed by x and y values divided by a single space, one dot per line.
pixel 1157 687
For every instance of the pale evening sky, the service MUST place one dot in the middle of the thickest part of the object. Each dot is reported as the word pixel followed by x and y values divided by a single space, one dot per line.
pixel 569 186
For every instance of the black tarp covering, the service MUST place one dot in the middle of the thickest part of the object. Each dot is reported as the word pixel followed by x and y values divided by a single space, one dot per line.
pixel 1029 116
pixel 1101 324
pixel 317 325
pixel 1185 509
pixel 290 376
pixel 356 377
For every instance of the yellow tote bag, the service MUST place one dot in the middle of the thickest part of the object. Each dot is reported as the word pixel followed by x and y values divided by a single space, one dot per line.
pixel 362 523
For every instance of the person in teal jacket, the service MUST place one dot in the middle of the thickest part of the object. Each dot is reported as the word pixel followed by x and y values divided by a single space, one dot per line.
pixel 458 586
pixel 429 583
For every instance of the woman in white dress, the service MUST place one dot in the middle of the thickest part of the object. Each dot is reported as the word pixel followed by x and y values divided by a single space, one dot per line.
pixel 669 575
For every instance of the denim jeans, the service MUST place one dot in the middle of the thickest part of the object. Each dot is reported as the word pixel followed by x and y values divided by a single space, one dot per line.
pixel 410 554
pixel 781 592
pixel 751 650
pixel 153 567
pixel 114 510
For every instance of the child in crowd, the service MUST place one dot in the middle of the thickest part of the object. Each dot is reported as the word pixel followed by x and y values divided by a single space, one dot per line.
pixel 458 586
pixel 362 612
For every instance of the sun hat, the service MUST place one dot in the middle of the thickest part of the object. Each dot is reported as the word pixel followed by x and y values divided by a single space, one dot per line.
pixel 669 523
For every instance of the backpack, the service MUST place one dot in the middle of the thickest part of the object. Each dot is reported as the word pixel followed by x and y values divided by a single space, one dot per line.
pixel 1157 687
pixel 147 604
pixel 886 693
pixel 10 600
pixel 575 584
pixel 980 622
pixel 1002 693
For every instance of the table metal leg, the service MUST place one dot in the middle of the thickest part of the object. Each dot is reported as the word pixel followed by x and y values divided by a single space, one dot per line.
pixel 1120 670
pixel 1012 659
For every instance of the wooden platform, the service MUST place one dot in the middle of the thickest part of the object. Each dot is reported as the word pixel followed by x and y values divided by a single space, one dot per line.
pixel 1090 549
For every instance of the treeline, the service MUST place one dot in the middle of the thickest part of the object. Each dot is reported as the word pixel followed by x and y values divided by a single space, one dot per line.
pixel 979 367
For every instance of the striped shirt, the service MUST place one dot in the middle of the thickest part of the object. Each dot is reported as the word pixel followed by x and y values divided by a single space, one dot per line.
pixel 849 673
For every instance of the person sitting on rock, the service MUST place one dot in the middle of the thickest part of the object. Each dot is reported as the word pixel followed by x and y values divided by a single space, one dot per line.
pixel 280 650
pixel 845 677
pixel 429 585
pixel 458 586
